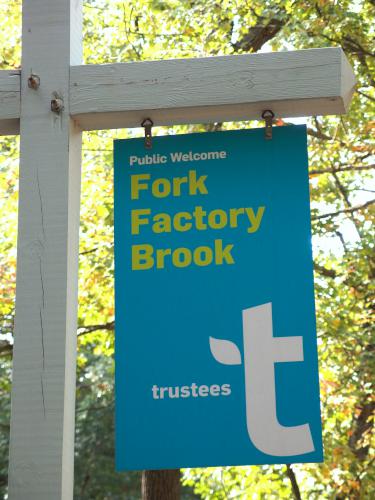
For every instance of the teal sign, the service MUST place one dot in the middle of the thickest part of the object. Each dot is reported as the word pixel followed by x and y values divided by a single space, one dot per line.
pixel 216 357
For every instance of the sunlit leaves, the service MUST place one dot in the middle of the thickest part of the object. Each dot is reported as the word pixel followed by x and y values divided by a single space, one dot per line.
pixel 341 152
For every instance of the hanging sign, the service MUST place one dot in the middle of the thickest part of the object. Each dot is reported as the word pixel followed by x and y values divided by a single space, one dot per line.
pixel 216 357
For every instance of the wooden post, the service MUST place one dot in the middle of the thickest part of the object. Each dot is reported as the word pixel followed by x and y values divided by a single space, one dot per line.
pixel 43 392
pixel 161 484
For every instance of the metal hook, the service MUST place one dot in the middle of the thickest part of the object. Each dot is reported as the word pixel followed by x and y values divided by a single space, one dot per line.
pixel 268 116
pixel 148 124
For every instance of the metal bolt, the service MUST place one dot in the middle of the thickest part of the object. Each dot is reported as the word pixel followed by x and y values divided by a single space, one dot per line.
pixel 268 116
pixel 33 81
pixel 147 124
pixel 57 105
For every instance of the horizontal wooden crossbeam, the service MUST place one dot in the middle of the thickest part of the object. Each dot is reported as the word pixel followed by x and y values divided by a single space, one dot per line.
pixel 10 102
pixel 297 83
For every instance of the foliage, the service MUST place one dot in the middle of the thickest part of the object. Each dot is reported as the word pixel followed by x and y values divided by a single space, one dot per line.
pixel 341 154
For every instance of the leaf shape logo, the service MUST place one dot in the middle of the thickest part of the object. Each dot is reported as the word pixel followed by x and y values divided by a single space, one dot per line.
pixel 225 351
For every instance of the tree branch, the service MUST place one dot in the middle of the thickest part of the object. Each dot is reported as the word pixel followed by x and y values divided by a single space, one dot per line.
pixel 83 330
pixel 257 35
pixel 335 170
pixel 366 95
pixel 362 424
pixel 295 488
pixel 342 240
pixel 350 45
pixel 344 211
pixel 89 251
pixel 347 203
pixel 328 273
pixel 6 348
pixel 318 134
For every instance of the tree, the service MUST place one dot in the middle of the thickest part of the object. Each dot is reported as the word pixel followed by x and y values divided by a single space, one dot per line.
pixel 341 154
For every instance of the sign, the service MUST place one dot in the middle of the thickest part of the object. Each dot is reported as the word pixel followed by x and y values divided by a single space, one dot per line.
pixel 216 358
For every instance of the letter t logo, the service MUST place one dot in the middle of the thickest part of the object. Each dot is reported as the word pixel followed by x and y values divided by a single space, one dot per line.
pixel 261 352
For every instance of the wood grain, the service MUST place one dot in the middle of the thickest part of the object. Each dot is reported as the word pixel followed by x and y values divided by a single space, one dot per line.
pixel 10 102
pixel 297 83
pixel 203 90
pixel 43 389
pixel 161 484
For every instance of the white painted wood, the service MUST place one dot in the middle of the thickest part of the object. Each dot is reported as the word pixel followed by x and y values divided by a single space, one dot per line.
pixel 9 102
pixel 297 83
pixel 348 81
pixel 43 392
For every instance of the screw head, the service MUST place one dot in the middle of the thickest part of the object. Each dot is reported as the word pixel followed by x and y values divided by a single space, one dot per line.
pixel 33 82
pixel 57 105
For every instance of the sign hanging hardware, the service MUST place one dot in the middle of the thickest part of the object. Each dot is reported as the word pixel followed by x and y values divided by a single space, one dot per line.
pixel 268 116
pixel 148 124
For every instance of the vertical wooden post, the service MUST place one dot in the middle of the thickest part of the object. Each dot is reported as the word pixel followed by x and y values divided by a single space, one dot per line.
pixel 161 484
pixel 43 393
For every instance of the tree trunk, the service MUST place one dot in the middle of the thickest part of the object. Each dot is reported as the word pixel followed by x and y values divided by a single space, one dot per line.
pixel 161 484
